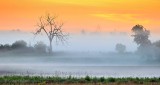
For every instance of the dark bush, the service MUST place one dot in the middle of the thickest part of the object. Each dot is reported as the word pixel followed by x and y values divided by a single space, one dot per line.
pixel 87 78
pixel 95 80
pixel 102 79
pixel 19 44
pixel 111 80
pixel 120 48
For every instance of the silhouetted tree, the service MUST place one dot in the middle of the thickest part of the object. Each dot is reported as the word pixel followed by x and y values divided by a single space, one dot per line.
pixel 40 47
pixel 141 35
pixel 19 44
pixel 145 48
pixel 120 48
pixel 51 28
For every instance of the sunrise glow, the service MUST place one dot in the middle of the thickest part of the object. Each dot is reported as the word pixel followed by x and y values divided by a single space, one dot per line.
pixel 82 14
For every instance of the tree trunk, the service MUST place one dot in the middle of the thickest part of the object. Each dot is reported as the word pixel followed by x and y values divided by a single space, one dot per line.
pixel 50 46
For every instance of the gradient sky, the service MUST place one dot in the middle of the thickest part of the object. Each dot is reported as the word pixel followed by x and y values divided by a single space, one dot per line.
pixel 90 15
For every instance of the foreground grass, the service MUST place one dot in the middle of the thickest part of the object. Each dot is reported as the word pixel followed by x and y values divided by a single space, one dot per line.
pixel 39 80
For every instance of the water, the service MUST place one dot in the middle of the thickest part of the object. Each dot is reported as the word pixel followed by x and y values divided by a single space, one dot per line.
pixel 79 65
pixel 81 71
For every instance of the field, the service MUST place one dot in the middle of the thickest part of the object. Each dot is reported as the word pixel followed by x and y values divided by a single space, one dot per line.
pixel 39 80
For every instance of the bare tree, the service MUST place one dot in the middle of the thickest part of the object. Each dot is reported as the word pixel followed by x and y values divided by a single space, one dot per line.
pixel 51 28
pixel 19 44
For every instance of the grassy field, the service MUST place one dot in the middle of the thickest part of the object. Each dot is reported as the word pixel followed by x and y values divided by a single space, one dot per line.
pixel 38 80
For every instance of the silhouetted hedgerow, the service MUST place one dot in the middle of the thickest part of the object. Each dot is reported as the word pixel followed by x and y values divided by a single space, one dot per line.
pixel 21 47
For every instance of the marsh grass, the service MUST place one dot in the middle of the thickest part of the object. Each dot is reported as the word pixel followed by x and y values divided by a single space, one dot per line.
pixel 39 80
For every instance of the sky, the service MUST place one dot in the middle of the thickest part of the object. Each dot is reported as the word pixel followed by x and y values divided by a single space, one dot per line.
pixel 77 15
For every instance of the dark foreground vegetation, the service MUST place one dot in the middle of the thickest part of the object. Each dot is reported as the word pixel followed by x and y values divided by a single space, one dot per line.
pixel 39 80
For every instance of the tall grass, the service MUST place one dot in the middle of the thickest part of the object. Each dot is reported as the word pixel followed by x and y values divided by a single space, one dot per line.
pixel 74 80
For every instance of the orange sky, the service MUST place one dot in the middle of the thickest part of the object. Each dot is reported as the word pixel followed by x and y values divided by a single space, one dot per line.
pixel 109 15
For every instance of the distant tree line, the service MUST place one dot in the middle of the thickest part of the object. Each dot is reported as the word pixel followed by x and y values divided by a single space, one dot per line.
pixel 149 51
pixel 21 46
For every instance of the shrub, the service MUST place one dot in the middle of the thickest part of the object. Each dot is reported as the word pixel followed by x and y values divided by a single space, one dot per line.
pixel 120 48
pixel 111 80
pixel 19 44
pixel 87 78
pixel 40 47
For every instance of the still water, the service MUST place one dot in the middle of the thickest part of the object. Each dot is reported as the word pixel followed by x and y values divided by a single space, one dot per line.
pixel 92 65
